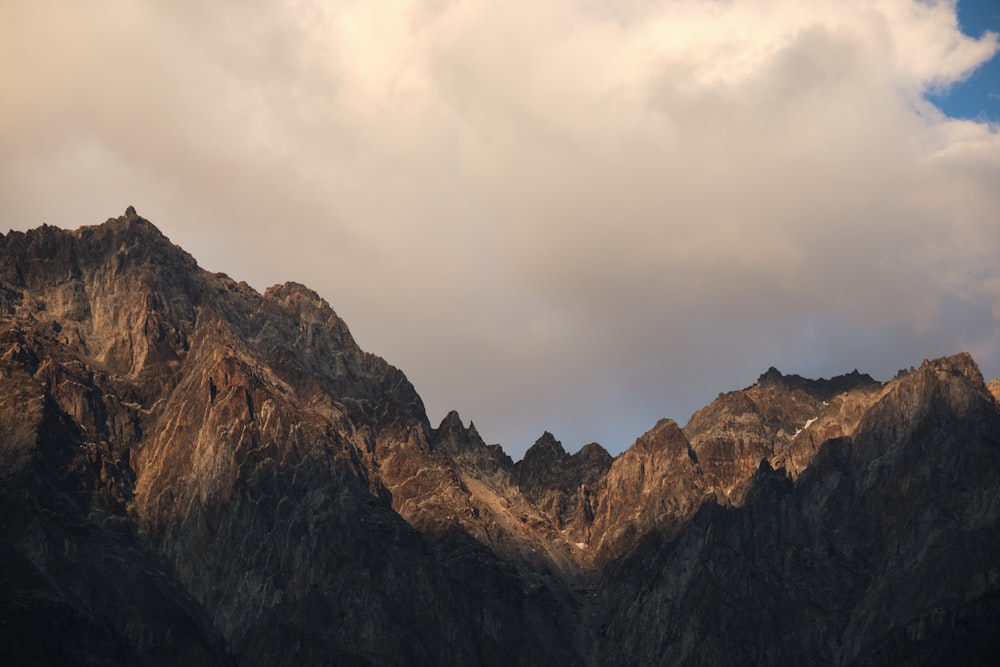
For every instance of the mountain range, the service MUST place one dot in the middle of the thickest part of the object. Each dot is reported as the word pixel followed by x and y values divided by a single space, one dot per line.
pixel 192 472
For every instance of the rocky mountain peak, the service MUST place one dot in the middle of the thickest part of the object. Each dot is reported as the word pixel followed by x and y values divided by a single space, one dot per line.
pixel 451 436
pixel 195 473
pixel 782 418
pixel 939 390
pixel 823 388
pixel 593 452
pixel 452 428
pixel 771 376
pixel 944 374
pixel 309 310
pixel 958 364
pixel 451 424
pixel 129 230
pixel 542 464
pixel 467 450
pixel 545 448
pixel 297 297
pixel 665 435
pixel 562 485
pixel 49 255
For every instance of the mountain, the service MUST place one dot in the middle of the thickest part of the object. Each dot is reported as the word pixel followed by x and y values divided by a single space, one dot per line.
pixel 191 471
pixel 882 551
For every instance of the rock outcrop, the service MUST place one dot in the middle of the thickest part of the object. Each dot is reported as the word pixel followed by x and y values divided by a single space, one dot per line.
pixel 239 455
pixel 994 387
pixel 883 551
pixel 561 484
pixel 782 418
pixel 195 473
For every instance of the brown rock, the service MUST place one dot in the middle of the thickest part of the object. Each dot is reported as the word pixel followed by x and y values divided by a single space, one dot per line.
pixel 195 473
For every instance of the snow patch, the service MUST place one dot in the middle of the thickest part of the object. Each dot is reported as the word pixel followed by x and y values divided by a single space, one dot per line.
pixel 807 425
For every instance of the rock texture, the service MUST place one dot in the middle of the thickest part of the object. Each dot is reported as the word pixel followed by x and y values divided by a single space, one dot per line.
pixel 784 419
pixel 562 484
pixel 883 551
pixel 195 473
pixel 244 459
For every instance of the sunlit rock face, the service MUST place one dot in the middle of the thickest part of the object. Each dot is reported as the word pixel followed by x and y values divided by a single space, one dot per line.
pixel 994 387
pixel 784 419
pixel 195 473
pixel 882 551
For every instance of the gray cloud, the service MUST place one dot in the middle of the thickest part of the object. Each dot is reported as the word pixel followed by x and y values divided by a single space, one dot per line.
pixel 575 216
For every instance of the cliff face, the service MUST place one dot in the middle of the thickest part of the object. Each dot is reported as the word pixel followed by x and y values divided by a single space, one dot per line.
pixel 194 472
pixel 883 551
pixel 784 419
pixel 258 462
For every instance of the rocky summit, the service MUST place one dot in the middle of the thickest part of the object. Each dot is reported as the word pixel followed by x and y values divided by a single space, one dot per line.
pixel 195 473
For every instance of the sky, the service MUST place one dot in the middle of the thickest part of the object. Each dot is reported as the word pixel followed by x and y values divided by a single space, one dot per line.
pixel 574 215
pixel 977 97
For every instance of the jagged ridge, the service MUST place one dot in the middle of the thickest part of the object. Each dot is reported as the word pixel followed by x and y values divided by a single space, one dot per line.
pixel 184 457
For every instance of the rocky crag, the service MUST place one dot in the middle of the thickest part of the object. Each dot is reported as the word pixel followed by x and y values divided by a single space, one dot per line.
pixel 193 472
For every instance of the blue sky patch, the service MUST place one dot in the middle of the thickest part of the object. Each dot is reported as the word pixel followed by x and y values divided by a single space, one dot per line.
pixel 978 97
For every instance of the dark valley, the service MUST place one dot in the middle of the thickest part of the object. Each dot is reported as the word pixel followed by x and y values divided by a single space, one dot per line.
pixel 195 473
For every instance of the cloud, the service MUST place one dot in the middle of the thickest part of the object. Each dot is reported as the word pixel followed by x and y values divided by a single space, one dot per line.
pixel 572 215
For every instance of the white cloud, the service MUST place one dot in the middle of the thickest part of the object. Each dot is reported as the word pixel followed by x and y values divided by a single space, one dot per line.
pixel 569 215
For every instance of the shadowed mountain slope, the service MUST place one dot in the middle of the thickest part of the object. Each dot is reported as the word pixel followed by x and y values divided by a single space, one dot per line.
pixel 193 472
